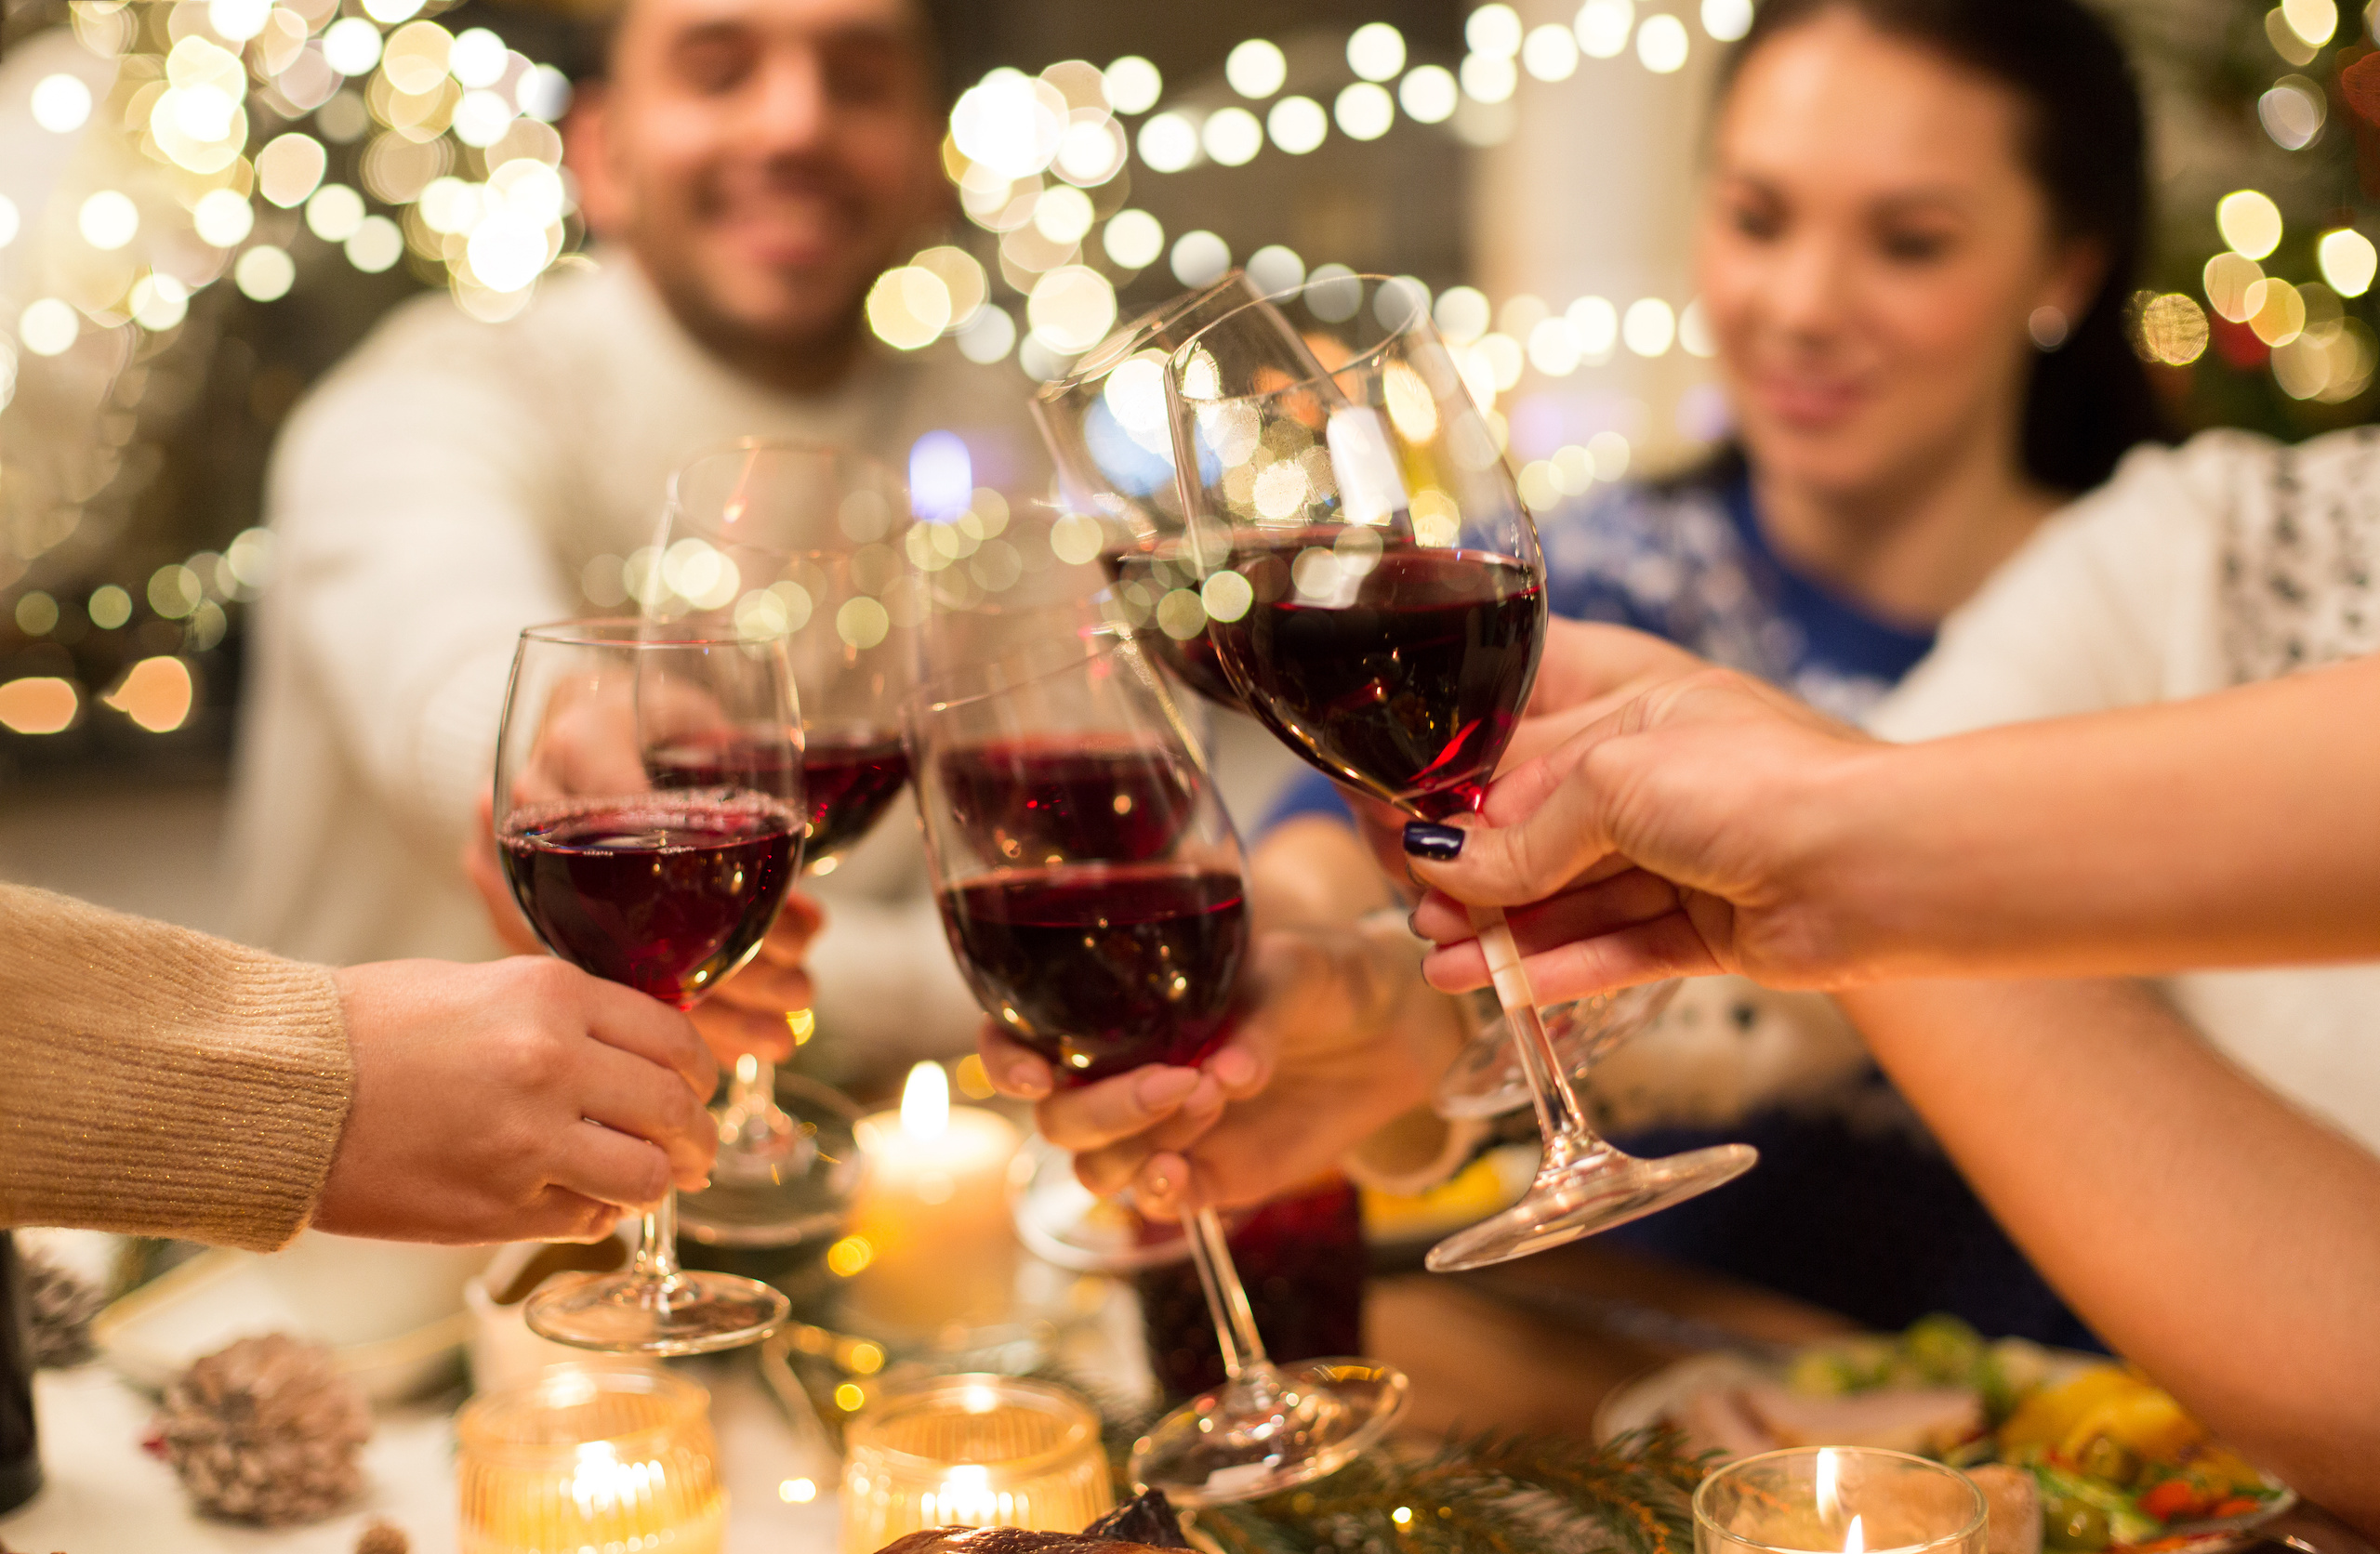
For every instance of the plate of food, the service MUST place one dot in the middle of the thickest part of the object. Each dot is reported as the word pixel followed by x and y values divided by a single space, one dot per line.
pixel 2111 1461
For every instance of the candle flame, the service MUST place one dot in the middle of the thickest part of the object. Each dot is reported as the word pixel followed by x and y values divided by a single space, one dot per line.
pixel 1855 1542
pixel 925 1103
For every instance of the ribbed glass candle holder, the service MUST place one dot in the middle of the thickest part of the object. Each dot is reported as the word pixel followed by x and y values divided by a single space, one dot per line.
pixel 590 1457
pixel 974 1451
pixel 1837 1500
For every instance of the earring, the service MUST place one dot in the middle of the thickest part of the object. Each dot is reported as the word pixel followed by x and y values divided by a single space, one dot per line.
pixel 2049 328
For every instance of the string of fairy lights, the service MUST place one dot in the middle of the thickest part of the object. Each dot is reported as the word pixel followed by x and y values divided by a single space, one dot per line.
pixel 225 120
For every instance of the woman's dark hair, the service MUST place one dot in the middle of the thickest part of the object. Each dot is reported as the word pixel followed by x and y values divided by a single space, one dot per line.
pixel 2086 145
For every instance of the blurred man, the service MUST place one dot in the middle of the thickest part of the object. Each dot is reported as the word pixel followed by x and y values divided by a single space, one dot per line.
pixel 750 166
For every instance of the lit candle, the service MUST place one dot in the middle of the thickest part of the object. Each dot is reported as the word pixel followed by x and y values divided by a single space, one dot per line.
pixel 1851 1498
pixel 931 1243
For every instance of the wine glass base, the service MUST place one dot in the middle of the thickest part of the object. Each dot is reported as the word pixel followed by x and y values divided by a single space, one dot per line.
pixel 1600 1192
pixel 687 1314
pixel 1487 1079
pixel 1062 1222
pixel 1272 1429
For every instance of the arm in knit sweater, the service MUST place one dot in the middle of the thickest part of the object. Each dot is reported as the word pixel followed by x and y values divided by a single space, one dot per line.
pixel 160 1082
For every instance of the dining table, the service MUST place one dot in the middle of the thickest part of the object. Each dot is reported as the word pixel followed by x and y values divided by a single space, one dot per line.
pixel 1534 1346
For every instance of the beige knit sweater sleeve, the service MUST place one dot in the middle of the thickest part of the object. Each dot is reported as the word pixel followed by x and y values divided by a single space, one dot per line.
pixel 160 1082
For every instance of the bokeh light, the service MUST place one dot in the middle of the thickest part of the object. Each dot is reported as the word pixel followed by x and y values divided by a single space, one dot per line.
pixel 2228 279
pixel 1493 30
pixel 2313 21
pixel 477 58
pixel 377 246
pixel 1132 85
pixel 1297 125
pixel 1429 94
pixel 1276 268
pixel 1462 314
pixel 38 704
pixel 289 168
pixel 2249 221
pixel 1603 27
pixel 8 221
pixel 1550 53
pixel 1232 136
pixel 1727 20
pixel 156 693
pixel 336 213
pixel 1648 326
pixel 159 302
pixel 1134 239
pixel 1169 142
pixel 2173 330
pixel 108 220
pixel 1489 77
pixel 1256 67
pixel 61 103
pixel 110 607
pixel 264 273
pixel 2348 260
pixel 352 46
pixel 1010 122
pixel 1364 111
pixel 48 327
pixel 908 308
pixel 1071 309
pixel 988 336
pixel 1376 51
pixel 1201 258
pixel 1661 44
pixel 2291 113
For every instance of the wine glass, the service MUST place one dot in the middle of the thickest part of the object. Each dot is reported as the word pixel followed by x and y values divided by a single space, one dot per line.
pixel 1373 589
pixel 791 542
pixel 665 890
pixel 1105 425
pixel 1092 889
pixel 1487 1078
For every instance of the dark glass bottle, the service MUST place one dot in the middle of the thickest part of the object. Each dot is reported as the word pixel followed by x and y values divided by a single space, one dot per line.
pixel 1303 1259
pixel 19 1451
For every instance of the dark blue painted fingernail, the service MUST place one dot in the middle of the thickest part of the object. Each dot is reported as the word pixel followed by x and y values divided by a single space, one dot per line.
pixel 1438 843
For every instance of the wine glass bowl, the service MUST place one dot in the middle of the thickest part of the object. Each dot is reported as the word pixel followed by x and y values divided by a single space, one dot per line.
pixel 665 889
pixel 1094 895
pixel 798 543
pixel 1374 591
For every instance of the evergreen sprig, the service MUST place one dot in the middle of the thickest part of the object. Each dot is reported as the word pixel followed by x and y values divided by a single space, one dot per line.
pixel 1486 1494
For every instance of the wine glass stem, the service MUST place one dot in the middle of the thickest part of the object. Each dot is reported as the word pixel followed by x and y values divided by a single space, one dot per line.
pixel 1560 1119
pixel 752 1094
pixel 657 1249
pixel 1226 1297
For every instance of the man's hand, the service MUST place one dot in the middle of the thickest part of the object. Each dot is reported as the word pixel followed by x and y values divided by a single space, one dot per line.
pixel 1339 1037
pixel 1677 835
pixel 746 1013
pixel 516 1100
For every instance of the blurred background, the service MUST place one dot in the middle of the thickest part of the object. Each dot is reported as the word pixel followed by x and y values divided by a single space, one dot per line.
pixel 203 203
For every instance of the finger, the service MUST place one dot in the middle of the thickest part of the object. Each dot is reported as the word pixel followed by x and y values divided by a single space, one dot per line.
pixel 1014 1069
pixel 1562 836
pixel 1096 1114
pixel 797 924
pixel 559 1214
pixel 729 1033
pixel 611 1167
pixel 1160 1190
pixel 632 1096
pixel 1668 946
pixel 1111 1169
pixel 765 987
pixel 622 1018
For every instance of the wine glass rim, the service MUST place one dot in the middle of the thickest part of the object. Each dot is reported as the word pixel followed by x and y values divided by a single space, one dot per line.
pixel 941 693
pixel 1704 1515
pixel 1421 318
pixel 631 631
pixel 1118 347
pixel 673 505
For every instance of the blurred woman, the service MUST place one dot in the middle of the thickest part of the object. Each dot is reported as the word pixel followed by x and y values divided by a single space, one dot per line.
pixel 1920 227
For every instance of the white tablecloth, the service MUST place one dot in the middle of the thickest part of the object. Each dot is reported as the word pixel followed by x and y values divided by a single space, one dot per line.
pixel 105 1496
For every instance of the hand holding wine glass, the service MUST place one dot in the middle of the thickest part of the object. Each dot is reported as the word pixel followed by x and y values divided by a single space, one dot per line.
pixel 665 890
pixel 1092 892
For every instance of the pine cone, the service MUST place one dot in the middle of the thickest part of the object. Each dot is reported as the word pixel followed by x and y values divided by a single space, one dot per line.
pixel 265 1431
pixel 58 1306
pixel 383 1536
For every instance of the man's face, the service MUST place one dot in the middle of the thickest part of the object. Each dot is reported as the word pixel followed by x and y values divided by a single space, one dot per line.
pixel 764 159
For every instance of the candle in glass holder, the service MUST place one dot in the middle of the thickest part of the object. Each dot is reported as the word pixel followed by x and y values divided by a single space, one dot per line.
pixel 932 1244
pixel 972 1450
pixel 589 1457
pixel 1825 1499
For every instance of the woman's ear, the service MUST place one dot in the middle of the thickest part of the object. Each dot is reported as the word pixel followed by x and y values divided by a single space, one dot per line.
pixel 587 152
pixel 2074 278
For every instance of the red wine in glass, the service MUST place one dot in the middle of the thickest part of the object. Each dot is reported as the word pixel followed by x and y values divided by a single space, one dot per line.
pixel 1048 801
pixel 848 777
pixel 1103 968
pixel 1404 680
pixel 1192 659
pixel 664 897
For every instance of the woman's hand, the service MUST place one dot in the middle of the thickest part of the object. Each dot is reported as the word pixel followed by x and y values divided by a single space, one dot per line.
pixel 516 1100
pixel 1339 1036
pixel 746 1013
pixel 1679 835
